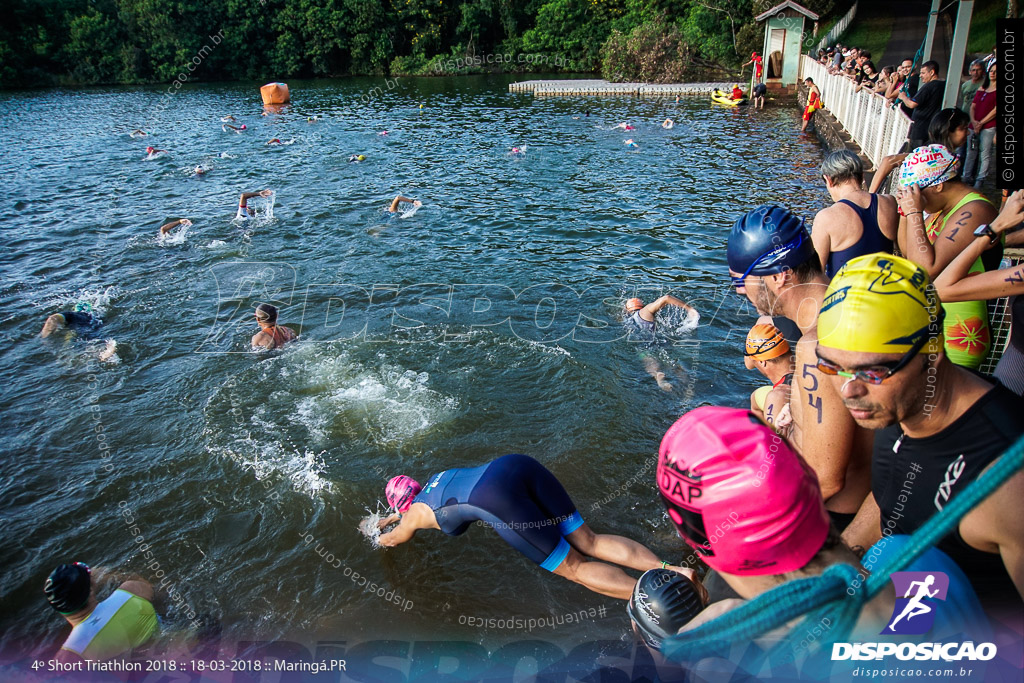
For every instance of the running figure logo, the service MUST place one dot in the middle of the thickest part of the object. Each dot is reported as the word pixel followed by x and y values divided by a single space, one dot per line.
pixel 917 594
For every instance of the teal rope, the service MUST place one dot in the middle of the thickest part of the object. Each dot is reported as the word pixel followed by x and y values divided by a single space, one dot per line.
pixel 826 596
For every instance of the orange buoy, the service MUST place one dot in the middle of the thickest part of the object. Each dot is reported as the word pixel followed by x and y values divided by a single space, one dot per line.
pixel 275 93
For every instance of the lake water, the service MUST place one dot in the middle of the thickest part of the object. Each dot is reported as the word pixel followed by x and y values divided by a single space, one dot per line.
pixel 487 322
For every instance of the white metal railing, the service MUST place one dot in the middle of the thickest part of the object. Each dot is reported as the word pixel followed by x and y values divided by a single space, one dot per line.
pixel 838 29
pixel 873 124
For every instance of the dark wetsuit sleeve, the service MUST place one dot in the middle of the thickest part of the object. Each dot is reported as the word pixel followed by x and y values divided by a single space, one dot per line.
pixel 78 318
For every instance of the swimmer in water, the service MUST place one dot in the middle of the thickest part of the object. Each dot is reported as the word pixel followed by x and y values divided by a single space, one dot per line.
pixel 399 199
pixel 643 319
pixel 517 151
pixel 383 132
pixel 112 629
pixel 244 211
pixel 357 158
pixel 80 318
pixel 237 129
pixel 153 151
pixel 274 141
pixel 667 124
pixel 626 126
pixel 312 119
pixel 531 511
pixel 167 227
pixel 137 133
pixel 199 170
pixel 630 143
pixel 271 335
pixel 227 118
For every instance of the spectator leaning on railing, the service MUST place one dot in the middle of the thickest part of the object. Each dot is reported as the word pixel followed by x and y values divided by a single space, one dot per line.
pixel 924 104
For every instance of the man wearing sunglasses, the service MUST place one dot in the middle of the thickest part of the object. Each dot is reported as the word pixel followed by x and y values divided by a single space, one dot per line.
pixel 100 630
pixel 938 425
pixel 773 263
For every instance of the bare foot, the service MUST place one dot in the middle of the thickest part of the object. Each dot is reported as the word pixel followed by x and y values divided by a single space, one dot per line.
pixel 662 382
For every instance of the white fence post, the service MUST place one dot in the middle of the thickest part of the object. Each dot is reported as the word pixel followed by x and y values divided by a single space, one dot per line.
pixel 873 124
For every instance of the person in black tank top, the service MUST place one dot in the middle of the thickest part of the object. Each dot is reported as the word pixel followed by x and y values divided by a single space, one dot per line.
pixel 939 426
pixel 855 211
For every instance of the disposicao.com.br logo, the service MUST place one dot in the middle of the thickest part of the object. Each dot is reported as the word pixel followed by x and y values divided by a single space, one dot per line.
pixel 918 596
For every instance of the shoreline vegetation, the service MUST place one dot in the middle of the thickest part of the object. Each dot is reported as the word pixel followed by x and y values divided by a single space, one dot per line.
pixel 126 42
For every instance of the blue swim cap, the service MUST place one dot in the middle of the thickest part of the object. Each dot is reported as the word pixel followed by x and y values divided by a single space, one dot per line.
pixel 768 240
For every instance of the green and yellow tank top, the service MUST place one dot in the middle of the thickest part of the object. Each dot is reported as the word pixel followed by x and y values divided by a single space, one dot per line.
pixel 966 327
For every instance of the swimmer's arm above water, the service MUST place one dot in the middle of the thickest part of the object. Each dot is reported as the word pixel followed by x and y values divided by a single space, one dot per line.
pixel 246 196
pixel 394 204
pixel 417 517
pixel 389 520
pixel 167 227
pixel 661 302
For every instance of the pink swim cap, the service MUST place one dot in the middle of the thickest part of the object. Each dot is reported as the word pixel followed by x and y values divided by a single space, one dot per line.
pixel 400 492
pixel 150 150
pixel 739 495
pixel 243 126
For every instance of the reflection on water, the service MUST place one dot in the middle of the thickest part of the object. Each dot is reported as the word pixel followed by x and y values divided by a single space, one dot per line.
pixel 488 322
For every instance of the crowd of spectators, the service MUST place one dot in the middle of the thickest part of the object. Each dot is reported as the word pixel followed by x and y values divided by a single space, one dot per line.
pixel 918 91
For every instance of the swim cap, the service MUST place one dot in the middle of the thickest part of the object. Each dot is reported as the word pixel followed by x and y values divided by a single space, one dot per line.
pixel 735 85
pixel 769 238
pixel 663 601
pixel 243 126
pixel 765 342
pixel 738 494
pixel 67 588
pixel 266 313
pixel 929 165
pixel 633 304
pixel 150 150
pixel 879 303
pixel 400 492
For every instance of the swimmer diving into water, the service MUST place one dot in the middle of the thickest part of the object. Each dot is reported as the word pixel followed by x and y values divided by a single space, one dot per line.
pixel 271 335
pixel 531 511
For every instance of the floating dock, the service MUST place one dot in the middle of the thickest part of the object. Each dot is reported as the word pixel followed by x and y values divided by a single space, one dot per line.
pixel 563 88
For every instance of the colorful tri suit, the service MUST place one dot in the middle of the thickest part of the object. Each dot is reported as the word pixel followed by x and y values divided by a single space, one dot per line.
pixel 118 625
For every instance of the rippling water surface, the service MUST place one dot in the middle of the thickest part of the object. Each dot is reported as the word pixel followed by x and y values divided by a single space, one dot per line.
pixel 485 323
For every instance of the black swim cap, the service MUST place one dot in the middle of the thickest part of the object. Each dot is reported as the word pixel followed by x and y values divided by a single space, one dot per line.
pixel 663 601
pixel 67 588
pixel 266 313
pixel 768 240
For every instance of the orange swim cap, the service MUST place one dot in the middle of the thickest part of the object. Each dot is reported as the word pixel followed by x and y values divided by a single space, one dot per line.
pixel 765 342
pixel 634 304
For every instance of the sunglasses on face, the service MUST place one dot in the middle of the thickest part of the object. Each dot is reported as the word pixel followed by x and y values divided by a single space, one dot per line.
pixel 877 374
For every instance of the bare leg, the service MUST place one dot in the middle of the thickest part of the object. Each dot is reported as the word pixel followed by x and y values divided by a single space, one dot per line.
pixel 597 576
pixel 617 549
pixel 653 368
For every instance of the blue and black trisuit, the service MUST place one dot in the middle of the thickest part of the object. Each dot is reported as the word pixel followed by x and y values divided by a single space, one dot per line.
pixel 517 496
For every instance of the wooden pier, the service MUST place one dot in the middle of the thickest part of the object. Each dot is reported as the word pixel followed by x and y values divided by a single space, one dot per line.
pixel 562 88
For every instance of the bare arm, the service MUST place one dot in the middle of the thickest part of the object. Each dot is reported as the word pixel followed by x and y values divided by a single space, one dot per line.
pixel 954 237
pixel 824 425
pixel 398 200
pixel 405 530
pixel 866 528
pixel 953 283
pixel 138 587
pixel 666 300
pixel 246 196
pixel 167 227
pixel 885 167
pixel 820 236
pixel 997 525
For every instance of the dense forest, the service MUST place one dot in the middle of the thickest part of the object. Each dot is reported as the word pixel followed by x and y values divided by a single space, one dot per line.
pixel 72 42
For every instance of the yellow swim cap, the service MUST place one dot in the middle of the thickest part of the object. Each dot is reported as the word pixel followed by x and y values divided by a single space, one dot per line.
pixel 765 342
pixel 880 303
